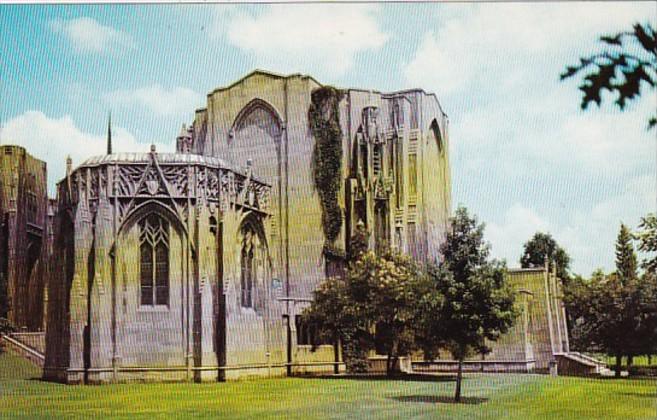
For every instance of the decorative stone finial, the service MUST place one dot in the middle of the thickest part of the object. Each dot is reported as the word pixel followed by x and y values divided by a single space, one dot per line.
pixel 109 134
pixel 152 148
pixel 69 164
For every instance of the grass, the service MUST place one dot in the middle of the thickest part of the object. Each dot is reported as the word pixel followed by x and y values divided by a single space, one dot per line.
pixel 513 396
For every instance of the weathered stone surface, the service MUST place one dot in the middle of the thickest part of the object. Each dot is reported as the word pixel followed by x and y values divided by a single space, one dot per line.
pixel 244 241
pixel 24 235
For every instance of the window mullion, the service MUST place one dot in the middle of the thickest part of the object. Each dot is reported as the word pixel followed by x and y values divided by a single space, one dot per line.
pixel 153 275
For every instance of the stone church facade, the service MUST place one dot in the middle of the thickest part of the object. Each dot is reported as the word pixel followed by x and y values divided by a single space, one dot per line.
pixel 196 264
pixel 25 237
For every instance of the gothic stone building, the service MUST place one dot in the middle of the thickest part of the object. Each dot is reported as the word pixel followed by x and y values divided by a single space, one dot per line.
pixel 197 264
pixel 24 236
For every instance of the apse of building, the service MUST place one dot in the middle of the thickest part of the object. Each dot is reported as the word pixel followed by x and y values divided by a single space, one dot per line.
pixel 196 264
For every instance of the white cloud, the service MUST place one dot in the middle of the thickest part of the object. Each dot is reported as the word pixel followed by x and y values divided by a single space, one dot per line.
pixel 87 35
pixel 322 38
pixel 548 131
pixel 53 139
pixel 159 100
pixel 587 234
pixel 501 36
pixel 508 236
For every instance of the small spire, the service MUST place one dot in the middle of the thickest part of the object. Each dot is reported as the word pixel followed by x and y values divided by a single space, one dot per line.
pixel 109 134
pixel 69 165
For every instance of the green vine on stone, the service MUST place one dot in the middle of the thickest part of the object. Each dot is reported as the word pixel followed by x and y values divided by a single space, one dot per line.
pixel 324 119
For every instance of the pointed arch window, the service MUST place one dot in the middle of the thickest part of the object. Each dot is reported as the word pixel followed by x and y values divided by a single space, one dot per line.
pixel 154 260
pixel 248 273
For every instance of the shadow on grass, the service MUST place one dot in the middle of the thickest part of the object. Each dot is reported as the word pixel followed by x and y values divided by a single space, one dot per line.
pixel 439 399
pixel 624 378
pixel 638 394
pixel 413 377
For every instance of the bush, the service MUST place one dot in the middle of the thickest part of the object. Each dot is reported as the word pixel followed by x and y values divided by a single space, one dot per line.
pixel 5 326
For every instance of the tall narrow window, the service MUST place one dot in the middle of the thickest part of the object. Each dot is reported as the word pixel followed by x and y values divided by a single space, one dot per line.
pixel 248 245
pixel 412 174
pixel 154 260
pixel 412 240
pixel 399 173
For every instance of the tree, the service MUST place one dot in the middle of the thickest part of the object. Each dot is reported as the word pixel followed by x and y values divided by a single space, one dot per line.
pixel 542 247
pixel 628 63
pixel 333 315
pixel 578 300
pixel 647 328
pixel 612 307
pixel 626 272
pixel 372 307
pixel 478 302
pixel 385 288
pixel 626 265
pixel 647 237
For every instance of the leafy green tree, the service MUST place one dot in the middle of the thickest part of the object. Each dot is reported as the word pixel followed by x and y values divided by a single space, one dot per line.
pixel 358 243
pixel 612 307
pixel 428 327
pixel 626 265
pixel 627 275
pixel 647 327
pixel 647 237
pixel 578 300
pixel 542 247
pixel 628 63
pixel 385 288
pixel 334 316
pixel 372 307
pixel 478 302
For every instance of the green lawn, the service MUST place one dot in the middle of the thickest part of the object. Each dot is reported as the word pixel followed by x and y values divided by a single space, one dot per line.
pixel 488 396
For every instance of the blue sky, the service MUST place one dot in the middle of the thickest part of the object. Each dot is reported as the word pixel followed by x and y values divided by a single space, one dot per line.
pixel 524 156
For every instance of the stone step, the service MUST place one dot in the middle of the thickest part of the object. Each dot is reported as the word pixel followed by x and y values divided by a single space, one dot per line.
pixel 23 350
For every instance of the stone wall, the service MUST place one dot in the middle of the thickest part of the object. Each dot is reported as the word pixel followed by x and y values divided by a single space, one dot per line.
pixel 23 235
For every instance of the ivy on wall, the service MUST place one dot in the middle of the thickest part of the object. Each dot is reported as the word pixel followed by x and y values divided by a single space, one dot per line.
pixel 324 119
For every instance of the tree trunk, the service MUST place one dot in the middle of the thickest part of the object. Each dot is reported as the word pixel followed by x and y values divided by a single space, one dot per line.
pixel 619 359
pixel 336 354
pixel 389 366
pixel 459 377
pixel 650 360
pixel 630 361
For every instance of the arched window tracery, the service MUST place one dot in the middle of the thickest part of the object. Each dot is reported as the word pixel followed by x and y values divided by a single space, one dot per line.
pixel 248 272
pixel 154 260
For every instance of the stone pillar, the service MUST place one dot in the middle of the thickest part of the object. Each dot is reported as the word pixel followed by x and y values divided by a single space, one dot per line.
pixel 55 308
pixel 207 266
pixel 79 294
pixel 101 287
pixel 231 278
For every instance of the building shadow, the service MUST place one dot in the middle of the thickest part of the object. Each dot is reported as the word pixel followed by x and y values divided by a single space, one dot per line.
pixel 651 395
pixel 438 399
pixel 413 377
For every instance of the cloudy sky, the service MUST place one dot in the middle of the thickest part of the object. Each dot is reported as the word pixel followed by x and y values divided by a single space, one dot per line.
pixel 524 156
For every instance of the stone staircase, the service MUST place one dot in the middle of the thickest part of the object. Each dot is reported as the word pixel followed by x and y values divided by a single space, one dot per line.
pixel 576 363
pixel 27 345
